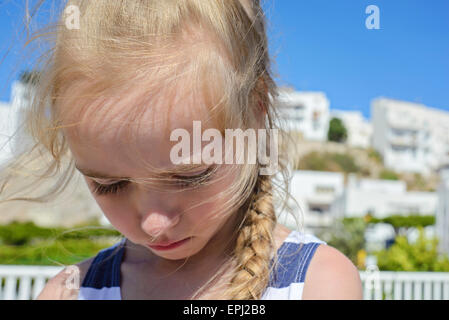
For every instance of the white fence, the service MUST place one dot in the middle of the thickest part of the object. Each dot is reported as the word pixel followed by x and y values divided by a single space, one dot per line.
pixel 26 282
pixel 390 285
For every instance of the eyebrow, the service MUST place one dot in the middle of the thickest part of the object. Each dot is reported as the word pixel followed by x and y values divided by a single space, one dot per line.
pixel 169 172
pixel 98 175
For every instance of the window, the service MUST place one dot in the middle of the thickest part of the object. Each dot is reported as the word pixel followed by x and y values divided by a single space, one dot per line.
pixel 398 148
pixel 324 189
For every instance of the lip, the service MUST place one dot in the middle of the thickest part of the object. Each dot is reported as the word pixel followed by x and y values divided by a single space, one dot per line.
pixel 169 246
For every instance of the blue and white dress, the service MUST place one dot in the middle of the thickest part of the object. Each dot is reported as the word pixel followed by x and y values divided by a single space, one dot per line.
pixel 102 280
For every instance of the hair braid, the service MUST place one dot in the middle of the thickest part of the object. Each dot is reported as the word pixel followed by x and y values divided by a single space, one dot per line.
pixel 254 244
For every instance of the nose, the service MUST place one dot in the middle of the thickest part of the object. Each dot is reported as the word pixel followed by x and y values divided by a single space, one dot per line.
pixel 156 223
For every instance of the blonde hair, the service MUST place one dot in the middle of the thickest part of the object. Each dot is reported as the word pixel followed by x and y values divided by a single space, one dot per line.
pixel 121 43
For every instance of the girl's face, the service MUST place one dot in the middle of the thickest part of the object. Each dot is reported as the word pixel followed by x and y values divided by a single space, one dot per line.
pixel 147 215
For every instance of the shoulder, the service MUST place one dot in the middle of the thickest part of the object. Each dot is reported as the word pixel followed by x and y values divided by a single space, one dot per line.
pixel 65 285
pixel 331 275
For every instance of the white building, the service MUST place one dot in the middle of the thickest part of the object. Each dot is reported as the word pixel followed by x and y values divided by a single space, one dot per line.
pixel 382 198
pixel 306 112
pixel 12 136
pixel 21 96
pixel 442 218
pixel 411 137
pixel 314 191
pixel 359 128
pixel 7 125
pixel 324 197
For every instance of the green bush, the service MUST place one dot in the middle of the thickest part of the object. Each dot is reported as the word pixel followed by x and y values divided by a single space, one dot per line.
pixel 400 222
pixel 86 233
pixel 409 221
pixel 17 233
pixel 313 161
pixel 53 252
pixel 345 162
pixel 348 236
pixel 375 155
pixel 388 175
pixel 419 256
pixel 327 161
pixel 26 243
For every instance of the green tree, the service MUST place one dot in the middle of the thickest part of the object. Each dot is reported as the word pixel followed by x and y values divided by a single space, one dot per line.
pixel 337 131
pixel 29 77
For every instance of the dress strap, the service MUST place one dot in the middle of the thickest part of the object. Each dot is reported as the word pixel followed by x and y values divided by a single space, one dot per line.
pixel 104 270
pixel 292 264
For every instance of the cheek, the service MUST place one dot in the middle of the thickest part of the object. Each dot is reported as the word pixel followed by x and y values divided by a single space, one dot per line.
pixel 117 212
pixel 212 205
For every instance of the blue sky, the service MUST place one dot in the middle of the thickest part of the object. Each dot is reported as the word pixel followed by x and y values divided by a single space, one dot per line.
pixel 323 45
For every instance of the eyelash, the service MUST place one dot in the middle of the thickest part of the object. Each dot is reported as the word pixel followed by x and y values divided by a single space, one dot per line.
pixel 191 181
pixel 101 189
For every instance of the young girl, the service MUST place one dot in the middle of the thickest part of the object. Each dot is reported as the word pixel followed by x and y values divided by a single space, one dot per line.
pixel 116 86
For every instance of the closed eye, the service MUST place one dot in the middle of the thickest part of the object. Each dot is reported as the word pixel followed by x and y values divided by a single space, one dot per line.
pixel 180 181
pixel 103 189
pixel 193 180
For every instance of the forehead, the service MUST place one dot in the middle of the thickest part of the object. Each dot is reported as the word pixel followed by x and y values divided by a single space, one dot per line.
pixel 112 132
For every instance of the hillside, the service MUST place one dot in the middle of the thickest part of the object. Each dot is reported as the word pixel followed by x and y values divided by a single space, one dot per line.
pixel 338 157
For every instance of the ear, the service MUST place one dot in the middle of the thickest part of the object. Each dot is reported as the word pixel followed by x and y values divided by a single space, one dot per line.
pixel 262 108
pixel 260 91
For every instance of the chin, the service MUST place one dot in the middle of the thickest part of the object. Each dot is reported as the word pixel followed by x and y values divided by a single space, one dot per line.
pixel 173 257
pixel 177 254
